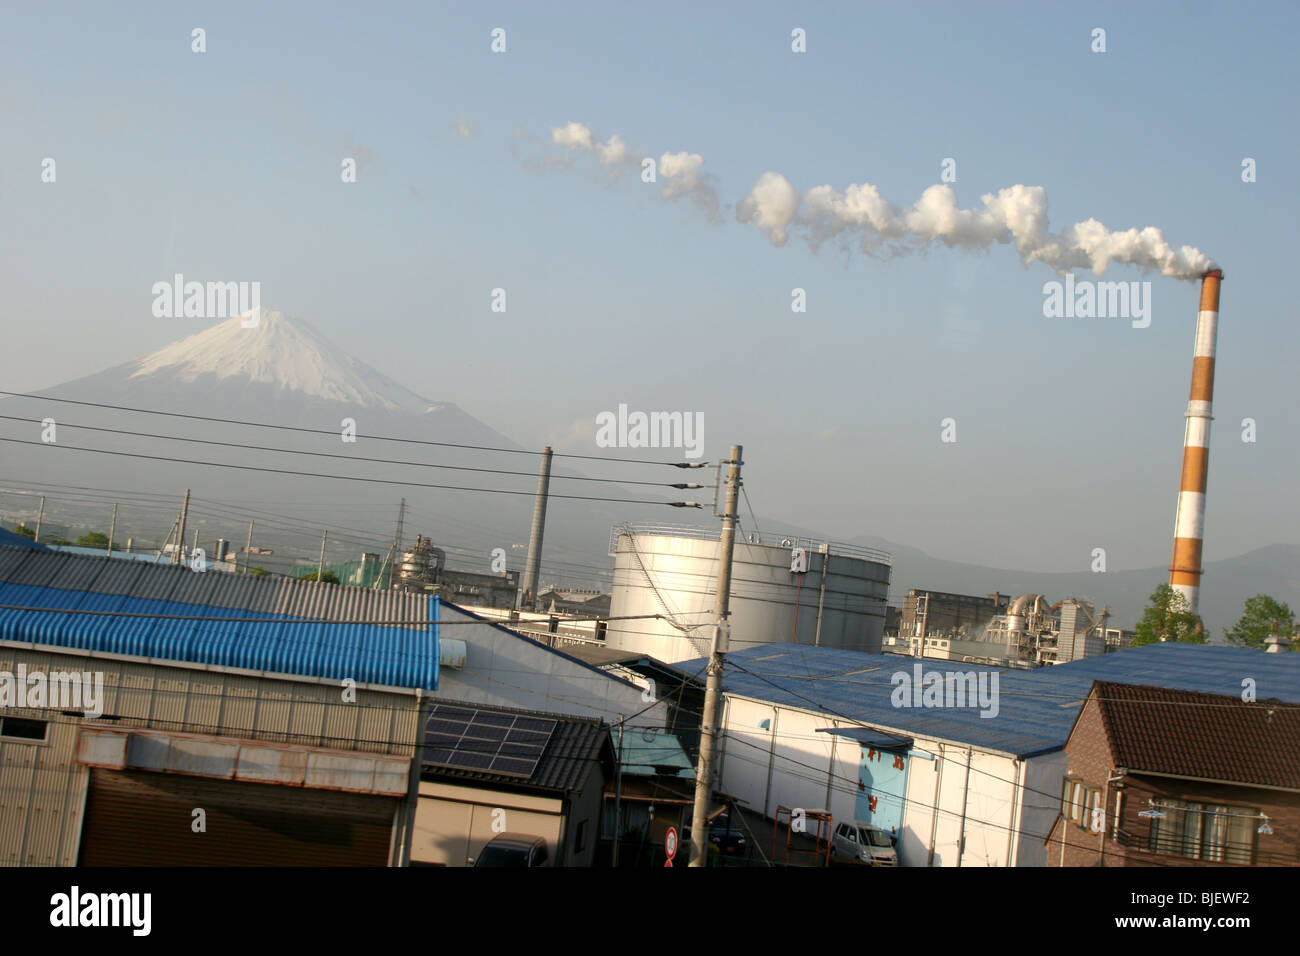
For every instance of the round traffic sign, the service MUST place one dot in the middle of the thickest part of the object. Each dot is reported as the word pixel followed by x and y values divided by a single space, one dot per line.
pixel 670 843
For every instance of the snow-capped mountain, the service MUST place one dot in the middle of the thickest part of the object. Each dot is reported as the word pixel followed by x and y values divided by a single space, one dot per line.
pixel 281 371
pixel 270 367
pixel 268 347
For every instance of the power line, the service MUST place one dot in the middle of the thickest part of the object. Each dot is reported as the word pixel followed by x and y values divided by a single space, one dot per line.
pixel 333 433
pixel 325 454
pixel 312 474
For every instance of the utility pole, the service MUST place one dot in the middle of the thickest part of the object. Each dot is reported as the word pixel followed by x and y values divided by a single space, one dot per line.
pixel 36 539
pixel 713 689
pixel 180 537
pixel 112 527
pixel 397 541
pixel 248 546
pixel 618 795
pixel 320 567
pixel 167 540
pixel 533 564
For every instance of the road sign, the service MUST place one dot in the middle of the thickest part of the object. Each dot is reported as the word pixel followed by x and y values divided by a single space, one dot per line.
pixel 668 863
pixel 670 843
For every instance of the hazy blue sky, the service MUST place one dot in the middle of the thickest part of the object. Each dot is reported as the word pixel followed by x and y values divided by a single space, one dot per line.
pixel 226 165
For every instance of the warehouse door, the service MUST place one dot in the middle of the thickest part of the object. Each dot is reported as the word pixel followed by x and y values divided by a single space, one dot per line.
pixel 138 818
pixel 882 788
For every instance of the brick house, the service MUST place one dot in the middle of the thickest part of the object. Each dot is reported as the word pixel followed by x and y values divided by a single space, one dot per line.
pixel 1159 777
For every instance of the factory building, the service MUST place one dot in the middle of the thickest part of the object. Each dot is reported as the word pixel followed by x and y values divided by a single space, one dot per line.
pixel 811 592
pixel 958 784
pixel 216 693
pixel 940 614
pixel 1001 631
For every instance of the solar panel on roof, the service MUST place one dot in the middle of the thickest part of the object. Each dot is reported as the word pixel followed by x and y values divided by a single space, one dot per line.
pixel 485 741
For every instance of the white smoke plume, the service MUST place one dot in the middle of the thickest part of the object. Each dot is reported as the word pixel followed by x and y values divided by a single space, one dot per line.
pixel 680 173
pixel 1013 216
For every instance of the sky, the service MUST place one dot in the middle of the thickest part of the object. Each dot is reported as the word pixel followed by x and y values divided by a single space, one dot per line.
pixel 225 165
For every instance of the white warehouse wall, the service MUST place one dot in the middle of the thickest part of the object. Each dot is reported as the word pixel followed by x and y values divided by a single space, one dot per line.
pixel 1005 819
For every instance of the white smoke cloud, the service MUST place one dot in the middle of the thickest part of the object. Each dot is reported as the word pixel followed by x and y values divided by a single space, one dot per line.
pixel 682 173
pixel 771 206
pixel 682 177
pixel 613 151
pixel 572 135
pixel 1013 216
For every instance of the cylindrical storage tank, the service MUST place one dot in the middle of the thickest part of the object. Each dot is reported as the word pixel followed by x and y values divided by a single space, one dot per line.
pixel 673 571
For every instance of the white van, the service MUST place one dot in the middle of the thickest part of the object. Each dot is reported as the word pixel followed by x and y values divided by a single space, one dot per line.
pixel 864 843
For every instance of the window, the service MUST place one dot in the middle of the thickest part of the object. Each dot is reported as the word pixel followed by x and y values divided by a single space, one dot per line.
pixel 1094 814
pixel 1073 800
pixel 20 728
pixel 1067 788
pixel 580 838
pixel 1199 831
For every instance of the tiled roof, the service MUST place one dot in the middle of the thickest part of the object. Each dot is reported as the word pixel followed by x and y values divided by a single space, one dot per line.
pixel 576 746
pixel 287 637
pixel 1209 736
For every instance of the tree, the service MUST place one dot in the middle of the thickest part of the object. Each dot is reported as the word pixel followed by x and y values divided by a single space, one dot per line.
pixel 329 577
pixel 1261 617
pixel 257 570
pixel 26 532
pixel 93 539
pixel 1167 618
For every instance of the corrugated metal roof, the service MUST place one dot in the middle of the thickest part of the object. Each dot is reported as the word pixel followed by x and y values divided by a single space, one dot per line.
pixel 1036 708
pixel 17 540
pixel 404 655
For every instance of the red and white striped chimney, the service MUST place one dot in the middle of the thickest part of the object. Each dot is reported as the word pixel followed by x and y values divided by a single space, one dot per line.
pixel 1189 523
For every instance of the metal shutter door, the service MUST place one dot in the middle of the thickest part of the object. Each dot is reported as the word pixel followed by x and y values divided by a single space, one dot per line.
pixel 136 818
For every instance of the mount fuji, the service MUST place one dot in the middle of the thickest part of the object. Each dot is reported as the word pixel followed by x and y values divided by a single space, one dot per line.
pixel 268 367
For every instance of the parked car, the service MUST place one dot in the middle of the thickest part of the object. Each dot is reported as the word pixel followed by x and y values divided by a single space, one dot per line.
pixel 863 843
pixel 725 837
pixel 513 850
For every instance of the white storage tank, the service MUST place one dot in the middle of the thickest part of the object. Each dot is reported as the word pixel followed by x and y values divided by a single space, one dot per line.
pixel 839 601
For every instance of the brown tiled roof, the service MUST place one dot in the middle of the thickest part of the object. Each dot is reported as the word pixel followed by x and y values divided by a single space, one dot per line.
pixel 1201 735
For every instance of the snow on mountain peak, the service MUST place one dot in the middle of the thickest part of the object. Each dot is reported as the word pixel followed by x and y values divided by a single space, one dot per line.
pixel 282 351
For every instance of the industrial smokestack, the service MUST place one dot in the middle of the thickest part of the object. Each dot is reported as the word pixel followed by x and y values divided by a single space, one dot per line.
pixel 1189 523
pixel 533 565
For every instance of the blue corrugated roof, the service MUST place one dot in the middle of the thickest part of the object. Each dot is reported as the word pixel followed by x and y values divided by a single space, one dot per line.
pixel 288 637
pixel 17 540
pixel 1036 708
